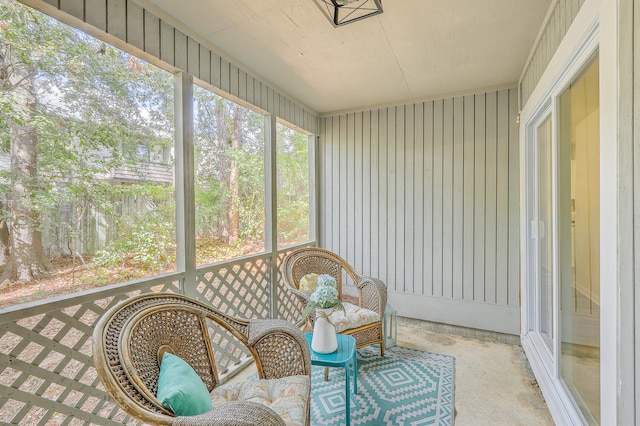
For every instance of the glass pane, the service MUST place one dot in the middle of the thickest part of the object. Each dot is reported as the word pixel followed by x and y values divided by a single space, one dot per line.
pixel 545 229
pixel 293 186
pixel 229 181
pixel 579 233
pixel 86 169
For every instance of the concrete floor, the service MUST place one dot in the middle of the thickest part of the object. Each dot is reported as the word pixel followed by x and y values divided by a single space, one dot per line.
pixel 494 385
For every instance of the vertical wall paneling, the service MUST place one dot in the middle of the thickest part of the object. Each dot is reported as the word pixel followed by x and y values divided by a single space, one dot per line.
pixel 358 169
pixel 366 197
pixel 408 223
pixel 514 201
pixel 225 83
pixel 324 181
pixel 296 112
pixel 180 50
pixel 557 25
pixel 350 184
pixel 392 197
pixel 326 202
pixel 401 143
pixel 480 193
pixel 135 25
pixel 242 86
pixel 234 83
pixel 383 196
pixel 374 228
pixel 151 34
pixel 251 96
pixel 491 165
pixel 116 19
pixel 271 99
pixel 447 198
pixel 468 196
pixel 425 197
pixel 335 187
pixel 279 103
pixel 321 161
pixel 167 43
pixel 204 58
pixel 502 198
pixel 458 188
pixel 216 74
pixel 72 7
pixel 418 200
pixel 193 58
pixel 96 13
pixel 427 204
pixel 264 93
pixel 438 198
pixel 343 210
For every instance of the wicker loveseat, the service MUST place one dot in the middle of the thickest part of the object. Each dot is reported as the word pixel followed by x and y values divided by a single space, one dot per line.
pixel 364 311
pixel 131 338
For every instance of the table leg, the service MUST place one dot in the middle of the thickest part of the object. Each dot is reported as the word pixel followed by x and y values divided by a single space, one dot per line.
pixel 347 395
pixel 355 373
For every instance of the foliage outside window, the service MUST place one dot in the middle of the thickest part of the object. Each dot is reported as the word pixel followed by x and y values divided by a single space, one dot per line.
pixel 86 168
pixel 229 182
pixel 293 186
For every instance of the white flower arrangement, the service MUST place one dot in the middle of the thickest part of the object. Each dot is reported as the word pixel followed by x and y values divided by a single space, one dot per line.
pixel 325 296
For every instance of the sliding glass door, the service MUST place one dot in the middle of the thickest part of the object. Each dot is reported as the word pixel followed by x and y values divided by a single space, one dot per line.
pixel 545 225
pixel 563 248
pixel 579 240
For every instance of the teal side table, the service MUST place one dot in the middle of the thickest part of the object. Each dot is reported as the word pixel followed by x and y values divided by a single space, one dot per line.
pixel 344 356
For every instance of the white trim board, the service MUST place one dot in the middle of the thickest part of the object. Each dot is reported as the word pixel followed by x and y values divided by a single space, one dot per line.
pixel 464 313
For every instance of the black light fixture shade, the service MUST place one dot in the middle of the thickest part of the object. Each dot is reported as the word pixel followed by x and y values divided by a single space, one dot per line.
pixel 342 12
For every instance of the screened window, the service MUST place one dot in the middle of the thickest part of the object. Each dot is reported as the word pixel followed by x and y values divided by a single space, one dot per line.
pixel 293 186
pixel 229 178
pixel 81 203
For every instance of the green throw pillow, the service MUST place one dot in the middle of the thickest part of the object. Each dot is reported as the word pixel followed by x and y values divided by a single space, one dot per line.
pixel 180 389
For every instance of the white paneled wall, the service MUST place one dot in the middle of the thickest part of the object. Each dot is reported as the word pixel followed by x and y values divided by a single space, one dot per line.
pixel 425 196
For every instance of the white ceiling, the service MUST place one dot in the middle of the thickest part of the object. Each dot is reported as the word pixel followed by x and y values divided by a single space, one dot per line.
pixel 414 49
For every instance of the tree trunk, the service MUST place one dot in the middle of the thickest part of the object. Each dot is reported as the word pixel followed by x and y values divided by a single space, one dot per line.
pixel 234 175
pixel 4 241
pixel 221 151
pixel 26 256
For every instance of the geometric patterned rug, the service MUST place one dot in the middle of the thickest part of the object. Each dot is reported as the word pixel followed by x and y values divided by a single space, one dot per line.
pixel 406 387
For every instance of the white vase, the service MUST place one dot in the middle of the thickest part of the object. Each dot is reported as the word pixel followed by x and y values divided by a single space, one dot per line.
pixel 324 339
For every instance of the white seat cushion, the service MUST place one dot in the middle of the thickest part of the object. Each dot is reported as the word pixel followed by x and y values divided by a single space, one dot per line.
pixel 353 317
pixel 286 396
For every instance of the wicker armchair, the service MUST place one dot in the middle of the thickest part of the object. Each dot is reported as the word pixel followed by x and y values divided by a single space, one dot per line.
pixel 371 292
pixel 131 337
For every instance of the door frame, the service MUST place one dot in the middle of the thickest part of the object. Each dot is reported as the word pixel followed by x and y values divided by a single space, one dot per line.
pixel 594 29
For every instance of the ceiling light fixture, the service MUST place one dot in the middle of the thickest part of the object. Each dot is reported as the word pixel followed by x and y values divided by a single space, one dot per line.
pixel 342 12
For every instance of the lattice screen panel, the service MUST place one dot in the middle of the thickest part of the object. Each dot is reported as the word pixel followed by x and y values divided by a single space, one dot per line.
pixel 230 354
pixel 240 288
pixel 288 306
pixel 46 369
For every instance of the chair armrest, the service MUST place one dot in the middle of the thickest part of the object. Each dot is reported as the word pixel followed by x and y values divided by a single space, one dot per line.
pixel 373 294
pixel 303 296
pixel 280 347
pixel 241 413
